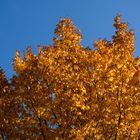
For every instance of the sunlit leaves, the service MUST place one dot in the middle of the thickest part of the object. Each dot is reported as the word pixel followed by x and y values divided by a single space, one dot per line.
pixel 69 92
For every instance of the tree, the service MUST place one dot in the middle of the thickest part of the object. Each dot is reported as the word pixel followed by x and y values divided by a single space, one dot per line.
pixel 69 92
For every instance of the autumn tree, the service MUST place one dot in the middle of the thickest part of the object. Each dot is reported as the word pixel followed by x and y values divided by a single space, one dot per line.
pixel 7 115
pixel 69 92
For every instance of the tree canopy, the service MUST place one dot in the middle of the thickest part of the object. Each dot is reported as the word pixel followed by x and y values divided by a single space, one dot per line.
pixel 69 92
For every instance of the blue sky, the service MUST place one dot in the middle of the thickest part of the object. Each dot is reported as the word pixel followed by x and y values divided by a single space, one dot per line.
pixel 26 23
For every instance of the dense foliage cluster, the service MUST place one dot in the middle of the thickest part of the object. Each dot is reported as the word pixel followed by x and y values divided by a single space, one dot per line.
pixel 68 92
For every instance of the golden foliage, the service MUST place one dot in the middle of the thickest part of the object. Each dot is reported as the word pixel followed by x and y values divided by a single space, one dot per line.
pixel 69 92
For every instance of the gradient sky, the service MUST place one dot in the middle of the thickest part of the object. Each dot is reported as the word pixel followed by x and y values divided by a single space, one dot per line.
pixel 26 23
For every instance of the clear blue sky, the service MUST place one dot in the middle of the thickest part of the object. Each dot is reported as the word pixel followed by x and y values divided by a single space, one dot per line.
pixel 32 22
